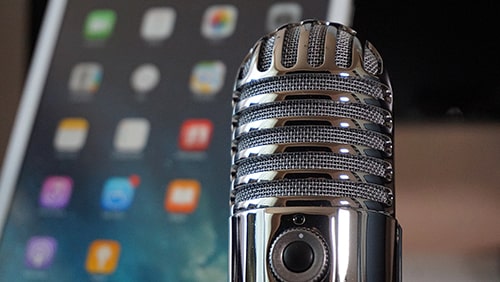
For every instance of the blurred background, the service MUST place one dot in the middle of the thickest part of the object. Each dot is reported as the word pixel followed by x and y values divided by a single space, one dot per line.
pixel 443 62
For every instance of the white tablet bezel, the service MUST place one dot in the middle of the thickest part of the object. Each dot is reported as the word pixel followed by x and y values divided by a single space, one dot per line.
pixel 29 103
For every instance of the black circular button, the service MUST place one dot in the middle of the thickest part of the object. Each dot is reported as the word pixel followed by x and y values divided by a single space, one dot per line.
pixel 298 256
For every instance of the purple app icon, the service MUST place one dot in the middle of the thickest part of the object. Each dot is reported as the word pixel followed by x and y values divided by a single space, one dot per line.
pixel 40 252
pixel 56 192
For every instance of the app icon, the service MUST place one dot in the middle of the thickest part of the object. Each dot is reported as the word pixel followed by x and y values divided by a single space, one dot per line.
pixel 99 24
pixel 71 134
pixel 283 13
pixel 182 196
pixel 40 252
pixel 207 78
pixel 195 134
pixel 144 78
pixel 102 256
pixel 85 79
pixel 56 192
pixel 158 23
pixel 131 135
pixel 118 192
pixel 219 21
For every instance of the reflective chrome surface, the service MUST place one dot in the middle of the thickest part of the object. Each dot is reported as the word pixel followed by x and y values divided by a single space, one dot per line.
pixel 360 242
pixel 313 160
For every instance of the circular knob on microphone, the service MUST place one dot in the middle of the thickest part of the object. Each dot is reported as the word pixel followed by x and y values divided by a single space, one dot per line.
pixel 299 254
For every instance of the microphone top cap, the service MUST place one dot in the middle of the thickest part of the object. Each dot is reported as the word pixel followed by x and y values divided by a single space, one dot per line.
pixel 311 46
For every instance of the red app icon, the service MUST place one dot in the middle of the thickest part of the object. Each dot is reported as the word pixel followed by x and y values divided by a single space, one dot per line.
pixel 195 134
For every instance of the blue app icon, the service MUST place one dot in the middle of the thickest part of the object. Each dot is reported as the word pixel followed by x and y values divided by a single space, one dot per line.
pixel 118 193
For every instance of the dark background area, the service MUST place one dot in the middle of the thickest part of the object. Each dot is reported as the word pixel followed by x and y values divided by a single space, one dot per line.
pixel 442 56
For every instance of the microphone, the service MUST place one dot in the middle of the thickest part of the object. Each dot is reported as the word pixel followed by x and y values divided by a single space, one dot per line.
pixel 312 196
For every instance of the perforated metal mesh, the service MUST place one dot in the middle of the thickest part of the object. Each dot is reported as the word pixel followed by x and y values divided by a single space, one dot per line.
pixel 311 160
pixel 290 47
pixel 266 54
pixel 311 81
pixel 370 62
pixel 244 69
pixel 343 49
pixel 314 187
pixel 312 108
pixel 310 134
pixel 316 49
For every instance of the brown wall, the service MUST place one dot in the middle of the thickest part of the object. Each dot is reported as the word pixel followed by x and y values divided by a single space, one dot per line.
pixel 13 43
pixel 448 191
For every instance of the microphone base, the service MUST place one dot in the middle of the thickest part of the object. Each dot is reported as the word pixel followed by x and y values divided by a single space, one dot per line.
pixel 343 242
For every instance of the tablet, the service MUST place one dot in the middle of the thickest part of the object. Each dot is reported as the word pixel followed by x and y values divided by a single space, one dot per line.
pixel 118 163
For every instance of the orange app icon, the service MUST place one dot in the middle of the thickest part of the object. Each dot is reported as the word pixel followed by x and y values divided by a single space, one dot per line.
pixel 182 196
pixel 102 256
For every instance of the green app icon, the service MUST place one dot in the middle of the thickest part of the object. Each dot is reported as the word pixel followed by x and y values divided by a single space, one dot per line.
pixel 99 24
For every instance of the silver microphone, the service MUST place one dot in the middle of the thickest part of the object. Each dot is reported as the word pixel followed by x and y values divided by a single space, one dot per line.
pixel 312 196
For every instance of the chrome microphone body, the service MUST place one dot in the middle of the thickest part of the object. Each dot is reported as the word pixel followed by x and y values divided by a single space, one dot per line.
pixel 312 196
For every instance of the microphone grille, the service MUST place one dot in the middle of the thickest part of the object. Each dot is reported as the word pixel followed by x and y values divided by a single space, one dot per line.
pixel 309 134
pixel 290 46
pixel 267 55
pixel 312 118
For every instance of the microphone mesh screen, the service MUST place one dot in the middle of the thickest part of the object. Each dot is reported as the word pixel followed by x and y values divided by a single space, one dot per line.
pixel 316 50
pixel 370 62
pixel 311 160
pixel 343 50
pixel 310 134
pixel 313 187
pixel 296 82
pixel 266 56
pixel 325 146
pixel 312 108
pixel 290 47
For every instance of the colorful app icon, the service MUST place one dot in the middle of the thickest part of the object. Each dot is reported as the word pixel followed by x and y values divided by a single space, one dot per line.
pixel 118 192
pixel 282 13
pixel 182 196
pixel 219 21
pixel 71 135
pixel 85 79
pixel 40 252
pixel 195 134
pixel 207 78
pixel 102 256
pixel 99 24
pixel 131 135
pixel 158 23
pixel 144 78
pixel 56 192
